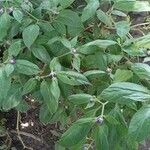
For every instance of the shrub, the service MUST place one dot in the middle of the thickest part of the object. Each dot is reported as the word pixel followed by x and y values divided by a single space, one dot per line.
pixel 84 66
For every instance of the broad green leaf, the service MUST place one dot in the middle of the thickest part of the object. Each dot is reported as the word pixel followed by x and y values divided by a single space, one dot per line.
pixel 71 20
pixel 90 10
pixel 18 15
pixel 139 127
pixel 26 67
pixel 23 106
pixel 51 93
pixel 45 116
pixel 14 48
pixel 30 34
pixel 103 17
pixel 76 62
pixel 100 137
pixel 143 42
pixel 55 64
pixel 119 13
pixel 122 75
pixel 141 70
pixel 94 73
pixel 135 6
pixel 5 83
pixel 133 49
pixel 77 132
pixel 66 3
pixel 123 28
pixel 65 42
pixel 29 86
pixel 5 22
pixel 72 78
pixel 125 92
pixel 100 43
pixel 41 53
pixel 111 119
pixel 78 99
pixel 9 68
pixel 13 98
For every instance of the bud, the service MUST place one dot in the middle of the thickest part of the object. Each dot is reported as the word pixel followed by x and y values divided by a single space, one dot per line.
pixel 108 70
pixel 12 61
pixel 73 50
pixel 1 10
pixel 99 120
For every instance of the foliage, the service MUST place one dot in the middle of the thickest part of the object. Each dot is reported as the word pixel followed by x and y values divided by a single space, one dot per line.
pixel 84 67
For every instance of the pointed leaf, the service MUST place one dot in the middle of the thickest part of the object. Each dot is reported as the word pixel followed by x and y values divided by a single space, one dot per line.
pixel 30 34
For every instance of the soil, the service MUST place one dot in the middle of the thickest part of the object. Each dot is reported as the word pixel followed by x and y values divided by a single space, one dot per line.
pixel 35 137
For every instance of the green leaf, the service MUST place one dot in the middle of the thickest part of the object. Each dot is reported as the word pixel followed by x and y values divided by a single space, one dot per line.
pixel 45 116
pixel 143 42
pixel 5 84
pixel 51 93
pixel 90 10
pixel 122 75
pixel 65 42
pixel 103 17
pixel 23 107
pixel 18 15
pixel 101 138
pixel 5 23
pixel 119 13
pixel 100 43
pixel 139 127
pixel 111 119
pixel 79 99
pixel 55 64
pixel 26 67
pixel 41 53
pixel 76 62
pixel 94 73
pixel 141 70
pixel 71 20
pixel 134 6
pixel 66 3
pixel 77 132
pixel 125 92
pixel 29 86
pixel 123 28
pixel 72 78
pixel 13 99
pixel 30 34
pixel 9 69
pixel 14 48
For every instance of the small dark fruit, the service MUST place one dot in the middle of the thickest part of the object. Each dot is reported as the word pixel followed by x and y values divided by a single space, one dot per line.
pixel 12 61
pixel 99 120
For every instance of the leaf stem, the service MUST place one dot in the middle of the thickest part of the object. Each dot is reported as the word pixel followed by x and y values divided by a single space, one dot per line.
pixel 141 24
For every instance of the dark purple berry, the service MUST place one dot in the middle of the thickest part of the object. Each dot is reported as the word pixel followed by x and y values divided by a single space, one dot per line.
pixel 12 61
pixel 99 120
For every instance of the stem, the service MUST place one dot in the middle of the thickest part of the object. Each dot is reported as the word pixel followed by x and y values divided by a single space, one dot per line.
pixel 64 55
pixel 32 16
pixel 103 108
pixel 18 133
pixel 141 24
